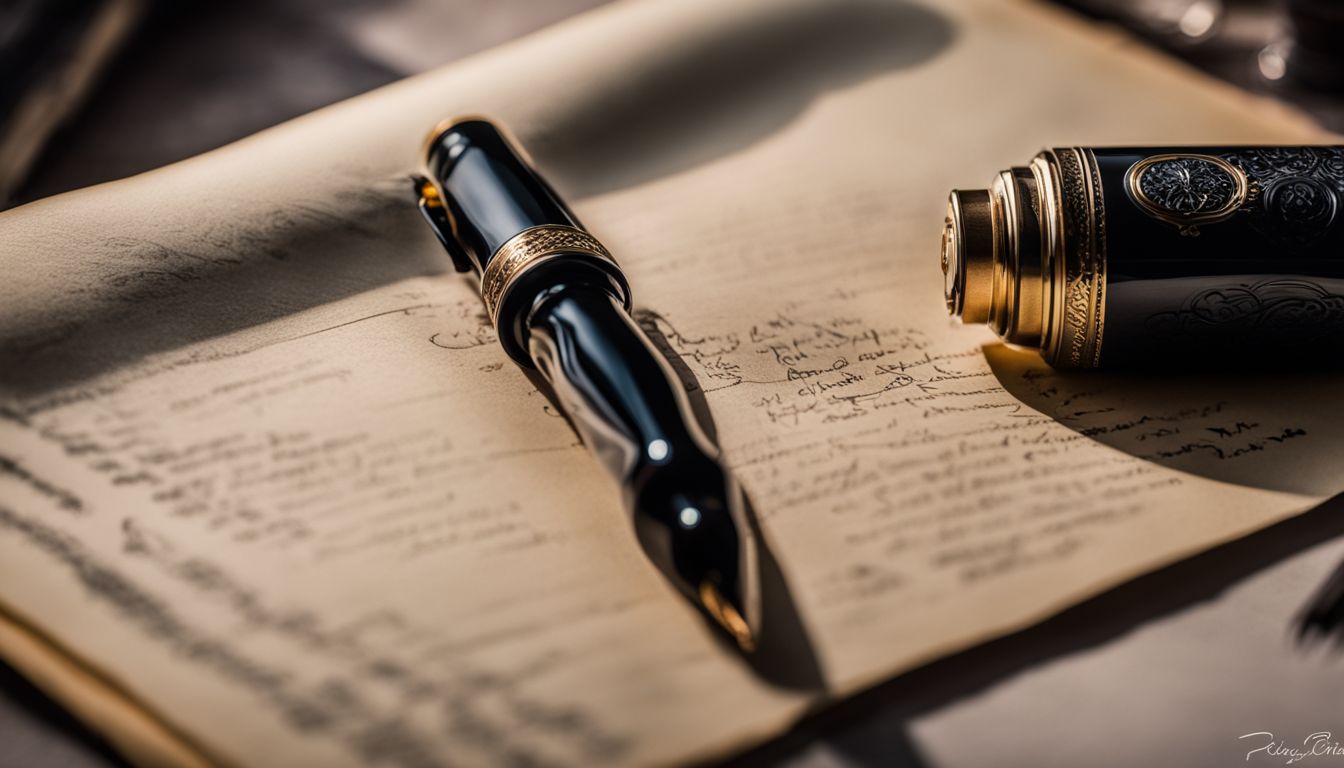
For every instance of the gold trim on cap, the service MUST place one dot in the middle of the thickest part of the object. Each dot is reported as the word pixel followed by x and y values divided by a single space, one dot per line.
pixel 1028 256
pixel 526 250
pixel 968 255
pixel 1082 321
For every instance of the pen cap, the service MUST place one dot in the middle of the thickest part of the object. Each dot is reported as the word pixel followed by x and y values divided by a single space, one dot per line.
pixel 505 223
pixel 1157 257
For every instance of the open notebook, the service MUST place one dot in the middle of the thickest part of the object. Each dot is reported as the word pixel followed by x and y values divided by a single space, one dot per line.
pixel 271 494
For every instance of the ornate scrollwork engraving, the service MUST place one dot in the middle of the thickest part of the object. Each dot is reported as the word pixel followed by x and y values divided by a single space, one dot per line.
pixel 1302 187
pixel 1270 163
pixel 1083 300
pixel 1273 312
pixel 1187 190
pixel 1188 185
pixel 527 249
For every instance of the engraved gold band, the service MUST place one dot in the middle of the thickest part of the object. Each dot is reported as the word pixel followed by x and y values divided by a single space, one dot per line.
pixel 1028 256
pixel 1080 278
pixel 526 250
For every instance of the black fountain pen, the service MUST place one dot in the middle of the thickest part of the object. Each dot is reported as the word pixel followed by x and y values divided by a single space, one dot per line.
pixel 560 303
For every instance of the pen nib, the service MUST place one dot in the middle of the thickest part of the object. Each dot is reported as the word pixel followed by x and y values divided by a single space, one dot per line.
pixel 728 616
pixel 690 518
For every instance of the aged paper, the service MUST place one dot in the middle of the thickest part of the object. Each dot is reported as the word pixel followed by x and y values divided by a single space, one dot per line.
pixel 265 469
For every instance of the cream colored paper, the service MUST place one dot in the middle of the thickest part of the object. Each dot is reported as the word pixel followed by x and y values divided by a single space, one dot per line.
pixel 267 471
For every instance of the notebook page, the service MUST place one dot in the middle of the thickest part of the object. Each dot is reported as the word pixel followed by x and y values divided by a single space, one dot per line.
pixel 268 470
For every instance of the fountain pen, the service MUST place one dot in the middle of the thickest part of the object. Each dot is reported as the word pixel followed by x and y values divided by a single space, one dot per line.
pixel 561 305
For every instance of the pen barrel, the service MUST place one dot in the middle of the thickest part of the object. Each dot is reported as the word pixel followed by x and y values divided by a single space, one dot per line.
pixel 503 221
pixel 1109 257
pixel 632 412
pixel 561 304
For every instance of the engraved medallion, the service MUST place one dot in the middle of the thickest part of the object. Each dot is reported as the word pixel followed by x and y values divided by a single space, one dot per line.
pixel 1187 190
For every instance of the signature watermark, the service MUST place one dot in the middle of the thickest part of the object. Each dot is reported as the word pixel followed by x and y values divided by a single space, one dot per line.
pixel 1318 744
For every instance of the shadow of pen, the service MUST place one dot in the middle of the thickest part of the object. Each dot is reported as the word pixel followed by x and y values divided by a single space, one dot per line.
pixel 873 727
pixel 1322 618
pixel 785 655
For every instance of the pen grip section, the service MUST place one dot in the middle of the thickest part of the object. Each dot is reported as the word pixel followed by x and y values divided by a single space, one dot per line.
pixel 613 384
pixel 631 410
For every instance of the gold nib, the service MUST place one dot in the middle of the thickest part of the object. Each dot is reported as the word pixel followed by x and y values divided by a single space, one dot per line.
pixel 430 194
pixel 727 616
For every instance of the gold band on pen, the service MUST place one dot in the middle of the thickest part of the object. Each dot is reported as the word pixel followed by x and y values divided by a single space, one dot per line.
pixel 1028 256
pixel 526 250
pixel 1081 293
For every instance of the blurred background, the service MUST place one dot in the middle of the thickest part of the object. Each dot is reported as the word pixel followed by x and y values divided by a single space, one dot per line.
pixel 100 89
pixel 95 90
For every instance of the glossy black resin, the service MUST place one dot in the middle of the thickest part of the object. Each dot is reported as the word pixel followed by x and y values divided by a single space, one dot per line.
pixel 491 193
pixel 627 404
pixel 567 316
pixel 1265 281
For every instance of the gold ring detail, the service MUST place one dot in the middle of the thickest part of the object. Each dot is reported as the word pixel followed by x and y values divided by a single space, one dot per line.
pixel 527 249
pixel 1083 312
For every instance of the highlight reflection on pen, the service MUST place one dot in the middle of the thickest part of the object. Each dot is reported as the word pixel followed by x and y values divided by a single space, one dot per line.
pixel 561 305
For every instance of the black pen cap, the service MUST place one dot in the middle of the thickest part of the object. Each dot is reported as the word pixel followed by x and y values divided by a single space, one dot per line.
pixel 505 223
